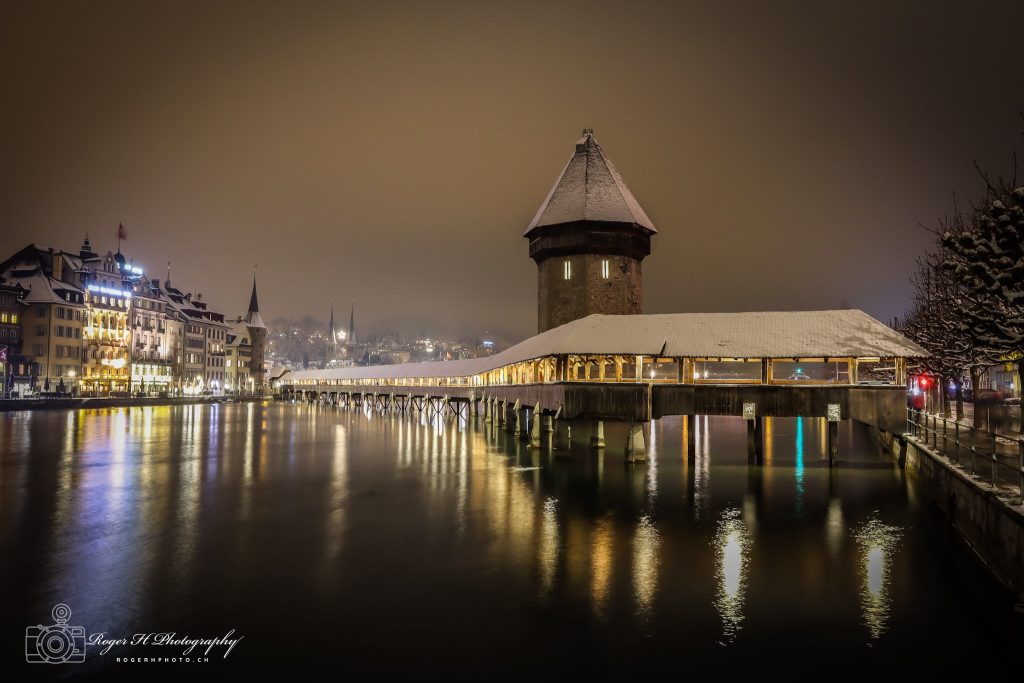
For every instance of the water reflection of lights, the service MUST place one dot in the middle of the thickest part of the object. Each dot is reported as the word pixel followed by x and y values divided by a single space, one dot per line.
pixel 878 544
pixel 601 566
pixel 732 550
pixel 835 526
pixel 652 467
pixel 798 467
pixel 548 548
pixel 646 544
pixel 339 490
pixel 702 467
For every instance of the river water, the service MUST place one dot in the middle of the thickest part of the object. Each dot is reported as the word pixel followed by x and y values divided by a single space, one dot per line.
pixel 356 543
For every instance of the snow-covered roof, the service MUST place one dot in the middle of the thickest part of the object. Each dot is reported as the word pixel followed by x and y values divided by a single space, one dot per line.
pixel 791 334
pixel 41 288
pixel 590 189
pixel 276 371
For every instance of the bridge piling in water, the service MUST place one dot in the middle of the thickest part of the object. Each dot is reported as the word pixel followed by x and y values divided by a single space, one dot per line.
pixel 535 421
pixel 514 426
pixel 547 430
pixel 636 448
pixel 597 435
pixel 833 443
pixel 562 438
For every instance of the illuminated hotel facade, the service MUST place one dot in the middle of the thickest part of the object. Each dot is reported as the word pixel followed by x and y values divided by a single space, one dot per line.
pixel 97 326
pixel 107 334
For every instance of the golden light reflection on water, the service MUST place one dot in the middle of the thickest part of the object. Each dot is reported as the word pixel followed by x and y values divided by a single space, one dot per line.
pixel 601 545
pixel 156 485
pixel 702 468
pixel 877 543
pixel 732 548
pixel 548 548
pixel 335 527
pixel 646 547
pixel 835 526
pixel 652 467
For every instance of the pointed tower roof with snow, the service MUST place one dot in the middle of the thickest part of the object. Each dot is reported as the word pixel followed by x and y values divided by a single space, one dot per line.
pixel 352 325
pixel 331 332
pixel 253 317
pixel 590 189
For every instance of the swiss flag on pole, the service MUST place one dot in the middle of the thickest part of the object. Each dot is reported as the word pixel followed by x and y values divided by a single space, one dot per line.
pixel 121 234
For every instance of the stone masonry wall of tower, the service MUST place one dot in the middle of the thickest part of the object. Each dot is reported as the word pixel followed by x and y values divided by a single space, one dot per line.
pixel 587 291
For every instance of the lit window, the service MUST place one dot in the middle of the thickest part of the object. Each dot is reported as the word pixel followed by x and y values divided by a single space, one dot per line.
pixel 567 269
pixel 604 269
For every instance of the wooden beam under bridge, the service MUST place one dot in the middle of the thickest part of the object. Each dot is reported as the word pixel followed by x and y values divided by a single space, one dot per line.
pixel 881 406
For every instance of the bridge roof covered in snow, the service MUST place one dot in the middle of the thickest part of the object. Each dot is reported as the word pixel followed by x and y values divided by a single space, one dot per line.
pixel 792 334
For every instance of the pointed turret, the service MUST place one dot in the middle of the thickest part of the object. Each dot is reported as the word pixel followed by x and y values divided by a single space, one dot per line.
pixel 332 334
pixel 590 189
pixel 588 238
pixel 253 317
pixel 352 324
pixel 86 252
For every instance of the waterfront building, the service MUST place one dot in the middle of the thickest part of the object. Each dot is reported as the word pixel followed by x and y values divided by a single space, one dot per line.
pixel 53 318
pixel 158 340
pixel 589 239
pixel 96 325
pixel 107 334
pixel 17 373
pixel 238 360
pixel 205 340
pixel 210 325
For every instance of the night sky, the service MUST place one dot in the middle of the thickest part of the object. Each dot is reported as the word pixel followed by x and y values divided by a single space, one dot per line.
pixel 393 153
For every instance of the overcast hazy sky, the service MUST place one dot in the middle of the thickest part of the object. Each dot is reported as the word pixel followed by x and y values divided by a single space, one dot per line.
pixel 393 153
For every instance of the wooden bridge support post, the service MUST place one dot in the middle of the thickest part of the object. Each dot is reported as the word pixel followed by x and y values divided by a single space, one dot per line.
pixel 753 433
pixel 535 426
pixel 833 443
pixel 562 439
pixel 547 431
pixel 501 407
pixel 636 448
pixel 487 410
pixel 597 435
pixel 751 441
pixel 514 425
pixel 759 439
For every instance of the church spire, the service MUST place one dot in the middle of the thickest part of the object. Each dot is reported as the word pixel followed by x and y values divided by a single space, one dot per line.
pixel 352 325
pixel 253 317
pixel 331 332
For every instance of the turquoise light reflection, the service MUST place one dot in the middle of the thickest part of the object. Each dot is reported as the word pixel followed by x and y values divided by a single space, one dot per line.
pixel 798 468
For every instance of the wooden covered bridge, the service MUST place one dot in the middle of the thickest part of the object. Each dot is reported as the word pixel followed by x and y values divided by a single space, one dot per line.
pixel 835 365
